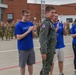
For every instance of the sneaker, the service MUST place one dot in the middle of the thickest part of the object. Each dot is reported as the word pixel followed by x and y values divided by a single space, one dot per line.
pixel 74 72
pixel 61 74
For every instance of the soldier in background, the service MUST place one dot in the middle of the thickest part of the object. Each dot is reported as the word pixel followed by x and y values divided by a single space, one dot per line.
pixel 12 29
pixel 68 26
pixel 38 28
pixel 15 24
pixel 8 31
pixel 2 30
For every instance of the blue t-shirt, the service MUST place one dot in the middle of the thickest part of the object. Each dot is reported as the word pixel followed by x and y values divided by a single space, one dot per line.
pixel 73 31
pixel 27 42
pixel 60 39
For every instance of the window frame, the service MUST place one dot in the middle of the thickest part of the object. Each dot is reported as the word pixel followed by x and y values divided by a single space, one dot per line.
pixel 12 17
pixel 70 19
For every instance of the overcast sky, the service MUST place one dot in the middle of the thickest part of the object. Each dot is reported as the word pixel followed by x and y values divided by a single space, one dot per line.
pixel 56 2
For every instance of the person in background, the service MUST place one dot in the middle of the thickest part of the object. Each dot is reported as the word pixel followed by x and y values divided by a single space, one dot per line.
pixel 68 26
pixel 74 22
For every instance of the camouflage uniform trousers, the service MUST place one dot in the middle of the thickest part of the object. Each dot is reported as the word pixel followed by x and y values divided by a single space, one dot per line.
pixel 49 59
pixel 47 63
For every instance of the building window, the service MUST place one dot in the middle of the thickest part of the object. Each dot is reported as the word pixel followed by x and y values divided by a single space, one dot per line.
pixel 1 1
pixel 1 14
pixel 1 17
pixel 10 17
pixel 1 11
pixel 70 20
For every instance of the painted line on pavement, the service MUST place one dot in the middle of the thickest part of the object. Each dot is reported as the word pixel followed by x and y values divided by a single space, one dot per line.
pixel 12 67
pixel 34 47
pixel 14 50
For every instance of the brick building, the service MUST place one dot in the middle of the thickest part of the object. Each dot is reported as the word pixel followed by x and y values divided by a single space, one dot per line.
pixel 11 9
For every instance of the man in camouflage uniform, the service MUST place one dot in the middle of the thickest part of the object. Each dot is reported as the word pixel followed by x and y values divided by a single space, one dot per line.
pixel 47 38
pixel 12 29
pixel 8 31
pixel 68 26
pixel 2 30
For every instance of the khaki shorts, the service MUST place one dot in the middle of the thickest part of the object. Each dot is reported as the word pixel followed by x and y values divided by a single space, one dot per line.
pixel 59 54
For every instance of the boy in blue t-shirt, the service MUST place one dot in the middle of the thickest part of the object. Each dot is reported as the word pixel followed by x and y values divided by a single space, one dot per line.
pixel 24 31
pixel 60 29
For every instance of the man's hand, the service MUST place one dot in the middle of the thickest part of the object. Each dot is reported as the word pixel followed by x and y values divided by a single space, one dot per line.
pixel 34 31
pixel 57 27
pixel 44 56
pixel 30 29
pixel 34 28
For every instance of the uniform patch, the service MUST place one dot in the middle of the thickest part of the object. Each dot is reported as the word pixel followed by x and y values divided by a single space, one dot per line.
pixel 43 26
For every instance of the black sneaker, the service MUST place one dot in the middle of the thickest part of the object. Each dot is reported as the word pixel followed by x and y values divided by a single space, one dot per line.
pixel 61 74
pixel 74 72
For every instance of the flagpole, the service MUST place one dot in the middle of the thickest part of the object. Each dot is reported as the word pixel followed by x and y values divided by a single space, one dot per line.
pixel 42 10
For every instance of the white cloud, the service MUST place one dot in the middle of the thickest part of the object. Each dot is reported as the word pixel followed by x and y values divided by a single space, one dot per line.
pixel 55 2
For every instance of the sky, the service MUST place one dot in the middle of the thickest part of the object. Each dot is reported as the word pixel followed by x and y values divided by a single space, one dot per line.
pixel 54 2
